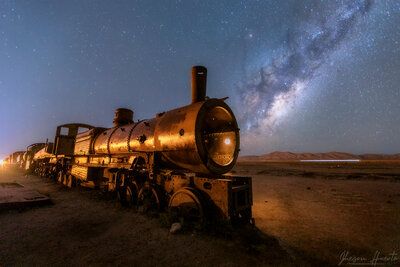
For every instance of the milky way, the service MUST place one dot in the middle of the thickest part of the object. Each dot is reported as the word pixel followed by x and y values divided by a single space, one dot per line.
pixel 269 94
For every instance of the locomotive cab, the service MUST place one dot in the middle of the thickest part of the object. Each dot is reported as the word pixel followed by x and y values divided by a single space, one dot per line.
pixel 64 141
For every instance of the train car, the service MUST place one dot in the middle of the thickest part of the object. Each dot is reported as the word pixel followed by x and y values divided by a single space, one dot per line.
pixel 54 159
pixel 177 160
pixel 15 159
pixel 29 154
pixel 41 161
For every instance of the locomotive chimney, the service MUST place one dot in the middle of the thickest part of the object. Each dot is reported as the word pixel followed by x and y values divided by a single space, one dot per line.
pixel 199 82
pixel 123 116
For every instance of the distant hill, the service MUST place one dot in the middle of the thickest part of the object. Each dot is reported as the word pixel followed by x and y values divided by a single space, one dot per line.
pixel 380 156
pixel 277 155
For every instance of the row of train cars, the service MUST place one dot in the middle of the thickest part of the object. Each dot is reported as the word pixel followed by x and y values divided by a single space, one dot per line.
pixel 178 160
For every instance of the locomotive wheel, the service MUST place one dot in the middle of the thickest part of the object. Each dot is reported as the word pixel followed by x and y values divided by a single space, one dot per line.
pixel 60 177
pixel 71 181
pixel 119 188
pixel 56 175
pixel 128 195
pixel 188 204
pixel 148 199
pixel 53 176
pixel 65 179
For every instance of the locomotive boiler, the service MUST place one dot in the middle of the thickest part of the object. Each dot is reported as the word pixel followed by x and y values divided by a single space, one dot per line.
pixel 177 160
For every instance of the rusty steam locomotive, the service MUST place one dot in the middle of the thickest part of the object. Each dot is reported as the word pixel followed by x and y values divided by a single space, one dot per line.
pixel 177 160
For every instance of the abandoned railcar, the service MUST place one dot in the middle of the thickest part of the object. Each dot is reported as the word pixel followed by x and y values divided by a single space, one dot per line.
pixel 178 160
pixel 29 154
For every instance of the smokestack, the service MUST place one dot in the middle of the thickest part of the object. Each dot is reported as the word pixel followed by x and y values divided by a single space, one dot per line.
pixel 199 83
pixel 123 116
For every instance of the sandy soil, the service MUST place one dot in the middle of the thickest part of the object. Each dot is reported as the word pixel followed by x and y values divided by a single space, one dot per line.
pixel 325 209
pixel 306 214
pixel 82 228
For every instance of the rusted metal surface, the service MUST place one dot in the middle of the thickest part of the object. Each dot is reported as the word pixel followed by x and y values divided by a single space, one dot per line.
pixel 82 144
pixel 123 116
pixel 16 158
pixel 84 141
pixel 142 136
pixel 44 152
pixel 31 150
pixel 225 196
pixel 35 147
pixel 199 83
pixel 188 202
pixel 202 137
pixel 119 141
pixel 200 147
pixel 64 142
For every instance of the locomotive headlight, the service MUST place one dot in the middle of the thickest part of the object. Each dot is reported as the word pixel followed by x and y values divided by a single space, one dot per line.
pixel 227 141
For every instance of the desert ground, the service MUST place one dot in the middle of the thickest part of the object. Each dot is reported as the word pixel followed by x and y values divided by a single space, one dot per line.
pixel 326 209
pixel 307 214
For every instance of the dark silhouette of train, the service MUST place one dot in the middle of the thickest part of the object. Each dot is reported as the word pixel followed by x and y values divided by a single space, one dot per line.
pixel 177 160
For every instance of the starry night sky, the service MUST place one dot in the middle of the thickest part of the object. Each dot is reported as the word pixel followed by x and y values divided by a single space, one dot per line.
pixel 302 76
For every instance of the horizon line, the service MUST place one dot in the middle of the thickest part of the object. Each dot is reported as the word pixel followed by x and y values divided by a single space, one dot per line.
pixel 328 160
